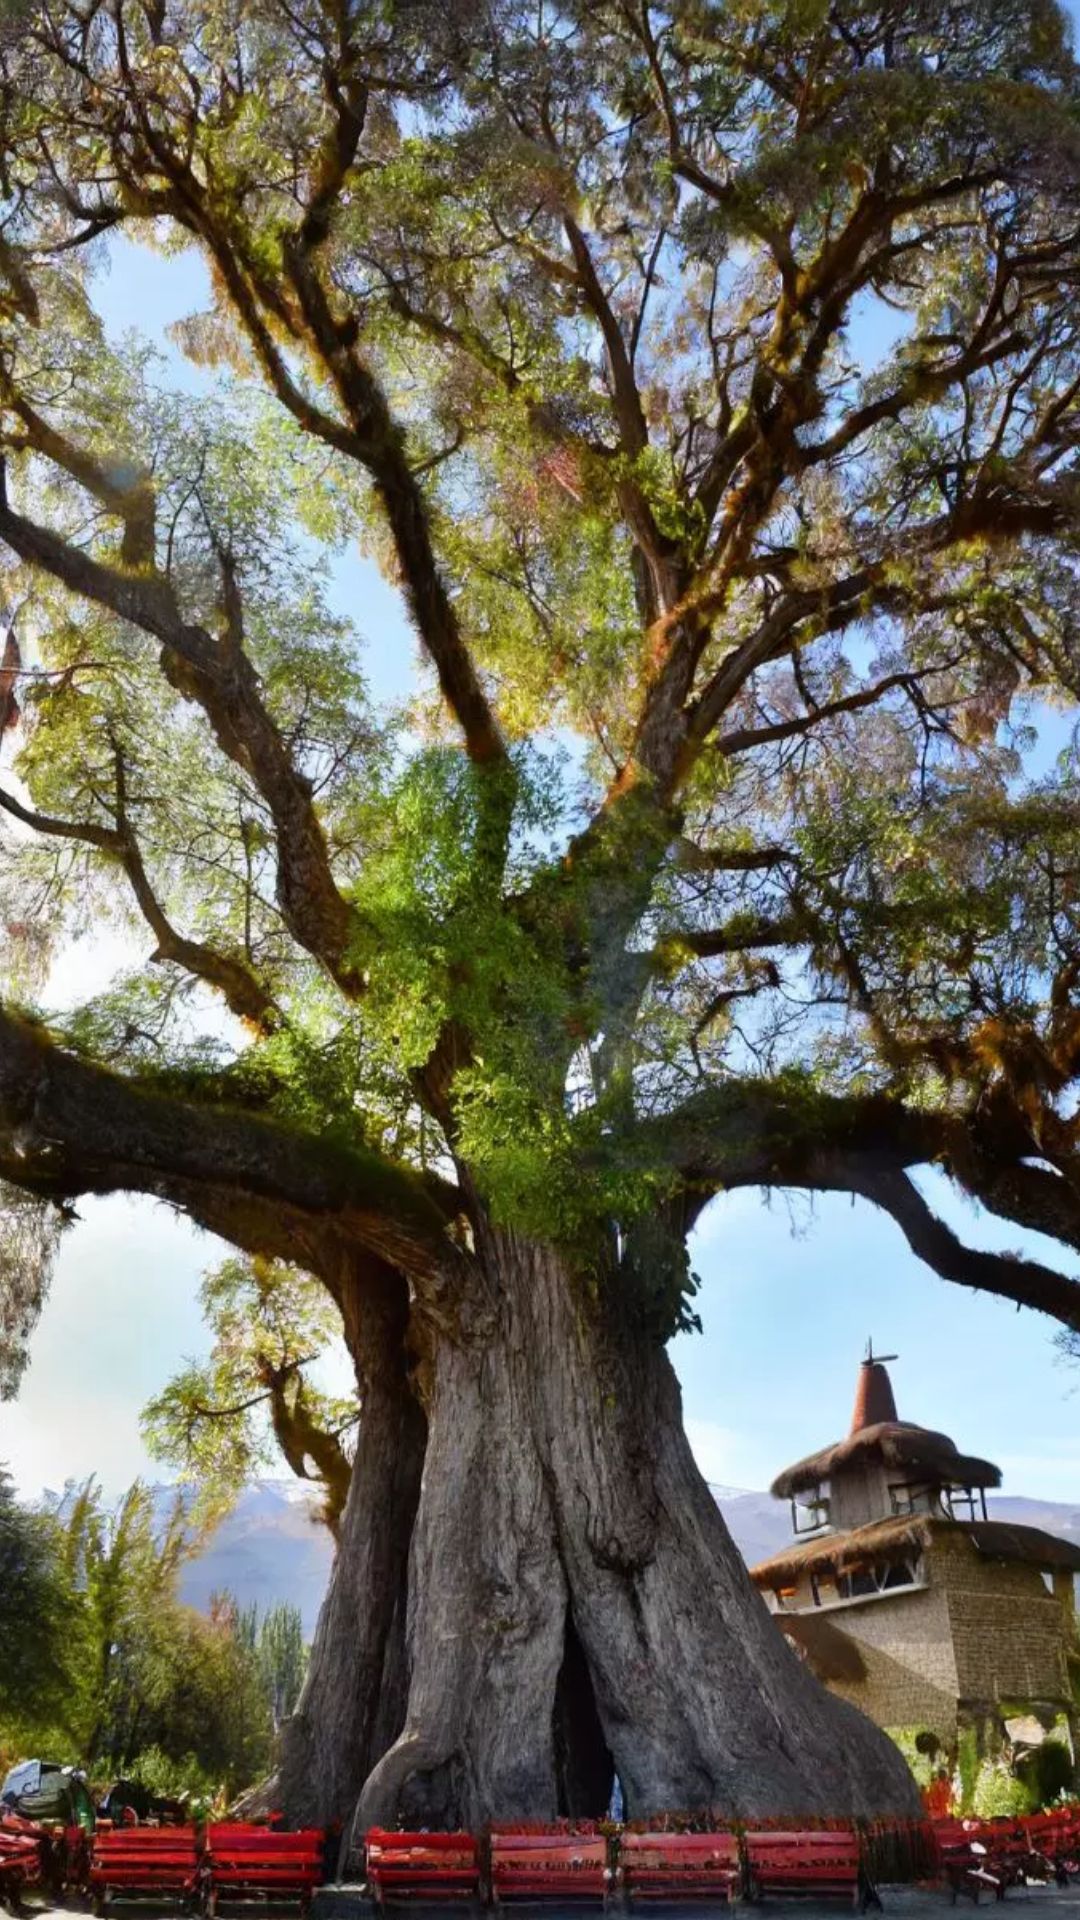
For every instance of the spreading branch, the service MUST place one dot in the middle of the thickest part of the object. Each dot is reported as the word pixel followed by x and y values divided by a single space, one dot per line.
pixel 242 991
pixel 226 686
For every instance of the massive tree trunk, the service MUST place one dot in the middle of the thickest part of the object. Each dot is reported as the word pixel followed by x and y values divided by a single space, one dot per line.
pixel 355 1696
pixel 575 1605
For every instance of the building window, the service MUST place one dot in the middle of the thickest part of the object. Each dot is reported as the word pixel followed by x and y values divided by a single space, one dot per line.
pixel 964 1503
pixel 902 1573
pixel 906 1497
pixel 810 1510
pixel 862 1583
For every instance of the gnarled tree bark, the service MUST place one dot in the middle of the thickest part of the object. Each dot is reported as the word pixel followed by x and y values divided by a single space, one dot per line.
pixel 575 1605
pixel 353 1703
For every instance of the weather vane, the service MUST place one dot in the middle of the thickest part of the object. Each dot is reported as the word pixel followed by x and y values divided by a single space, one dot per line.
pixel 877 1359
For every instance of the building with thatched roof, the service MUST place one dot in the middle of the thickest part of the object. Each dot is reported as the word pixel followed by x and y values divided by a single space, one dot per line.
pixel 901 1593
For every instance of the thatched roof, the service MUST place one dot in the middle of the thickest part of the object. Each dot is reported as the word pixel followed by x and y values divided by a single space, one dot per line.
pixel 1000 1540
pixel 830 1653
pixel 880 1543
pixel 917 1452
pixel 884 1542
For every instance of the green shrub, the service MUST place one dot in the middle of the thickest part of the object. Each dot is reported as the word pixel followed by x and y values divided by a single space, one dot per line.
pixel 179 1779
pixel 1046 1771
pixel 999 1791
pixel 913 1743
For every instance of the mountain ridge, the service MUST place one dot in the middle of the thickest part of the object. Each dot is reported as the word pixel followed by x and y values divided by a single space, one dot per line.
pixel 271 1547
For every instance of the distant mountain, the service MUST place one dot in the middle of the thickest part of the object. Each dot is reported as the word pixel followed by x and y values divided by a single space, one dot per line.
pixel 760 1525
pixel 272 1548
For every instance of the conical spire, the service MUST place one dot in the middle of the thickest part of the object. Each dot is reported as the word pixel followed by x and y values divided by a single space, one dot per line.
pixel 874 1403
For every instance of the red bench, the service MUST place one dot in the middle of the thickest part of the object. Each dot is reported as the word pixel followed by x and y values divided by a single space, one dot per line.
pixel 553 1865
pixel 247 1862
pixel 143 1860
pixel 1012 1853
pixel 424 1866
pixel 20 1860
pixel 820 1864
pixel 1052 1839
pixel 680 1866
pixel 73 1859
pixel 965 1861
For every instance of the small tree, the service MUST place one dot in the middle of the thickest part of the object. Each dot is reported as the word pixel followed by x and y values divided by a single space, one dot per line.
pixel 282 1659
pixel 35 1617
pixel 222 1419
pixel 122 1569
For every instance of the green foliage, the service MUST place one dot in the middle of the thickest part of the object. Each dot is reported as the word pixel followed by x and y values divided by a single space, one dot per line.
pixel 1047 1771
pixel 29 1241
pixel 184 1779
pixel 997 1791
pixel 282 1656
pixel 706 380
pixel 219 1421
pixel 967 1767
pixel 103 1662
pixel 35 1615
pixel 921 1763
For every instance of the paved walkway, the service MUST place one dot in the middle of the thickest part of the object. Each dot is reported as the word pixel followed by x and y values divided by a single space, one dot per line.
pixel 899 1903
pixel 903 1903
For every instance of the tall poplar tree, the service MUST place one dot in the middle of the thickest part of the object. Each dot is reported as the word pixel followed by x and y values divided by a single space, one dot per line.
pixel 706 376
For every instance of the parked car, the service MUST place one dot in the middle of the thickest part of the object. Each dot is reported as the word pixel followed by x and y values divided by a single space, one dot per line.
pixel 130 1796
pixel 46 1790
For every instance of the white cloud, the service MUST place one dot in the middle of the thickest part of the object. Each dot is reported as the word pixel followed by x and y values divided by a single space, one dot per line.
pixel 121 1314
pixel 723 1455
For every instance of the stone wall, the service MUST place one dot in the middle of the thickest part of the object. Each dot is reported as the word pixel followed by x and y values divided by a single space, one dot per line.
pixel 1009 1633
pixel 906 1649
pixel 980 1634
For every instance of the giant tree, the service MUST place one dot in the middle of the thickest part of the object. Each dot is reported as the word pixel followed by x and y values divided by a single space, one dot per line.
pixel 707 379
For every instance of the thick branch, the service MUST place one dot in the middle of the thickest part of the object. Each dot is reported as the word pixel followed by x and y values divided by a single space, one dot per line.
pixel 745 739
pixel 750 1134
pixel 133 502
pixel 1008 1275
pixel 302 1439
pixel 380 447
pixel 743 933
pixel 68 1128
pixel 1032 1197
pixel 745 1133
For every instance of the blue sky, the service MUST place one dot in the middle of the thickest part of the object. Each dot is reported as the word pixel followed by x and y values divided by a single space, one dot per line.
pixel 790 1293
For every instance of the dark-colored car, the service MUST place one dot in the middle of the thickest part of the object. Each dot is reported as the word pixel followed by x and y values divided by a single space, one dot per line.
pixel 146 1805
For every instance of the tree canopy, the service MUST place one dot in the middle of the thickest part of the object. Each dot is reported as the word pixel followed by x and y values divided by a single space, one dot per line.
pixel 707 380
pixel 219 1421
pixel 31 1588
